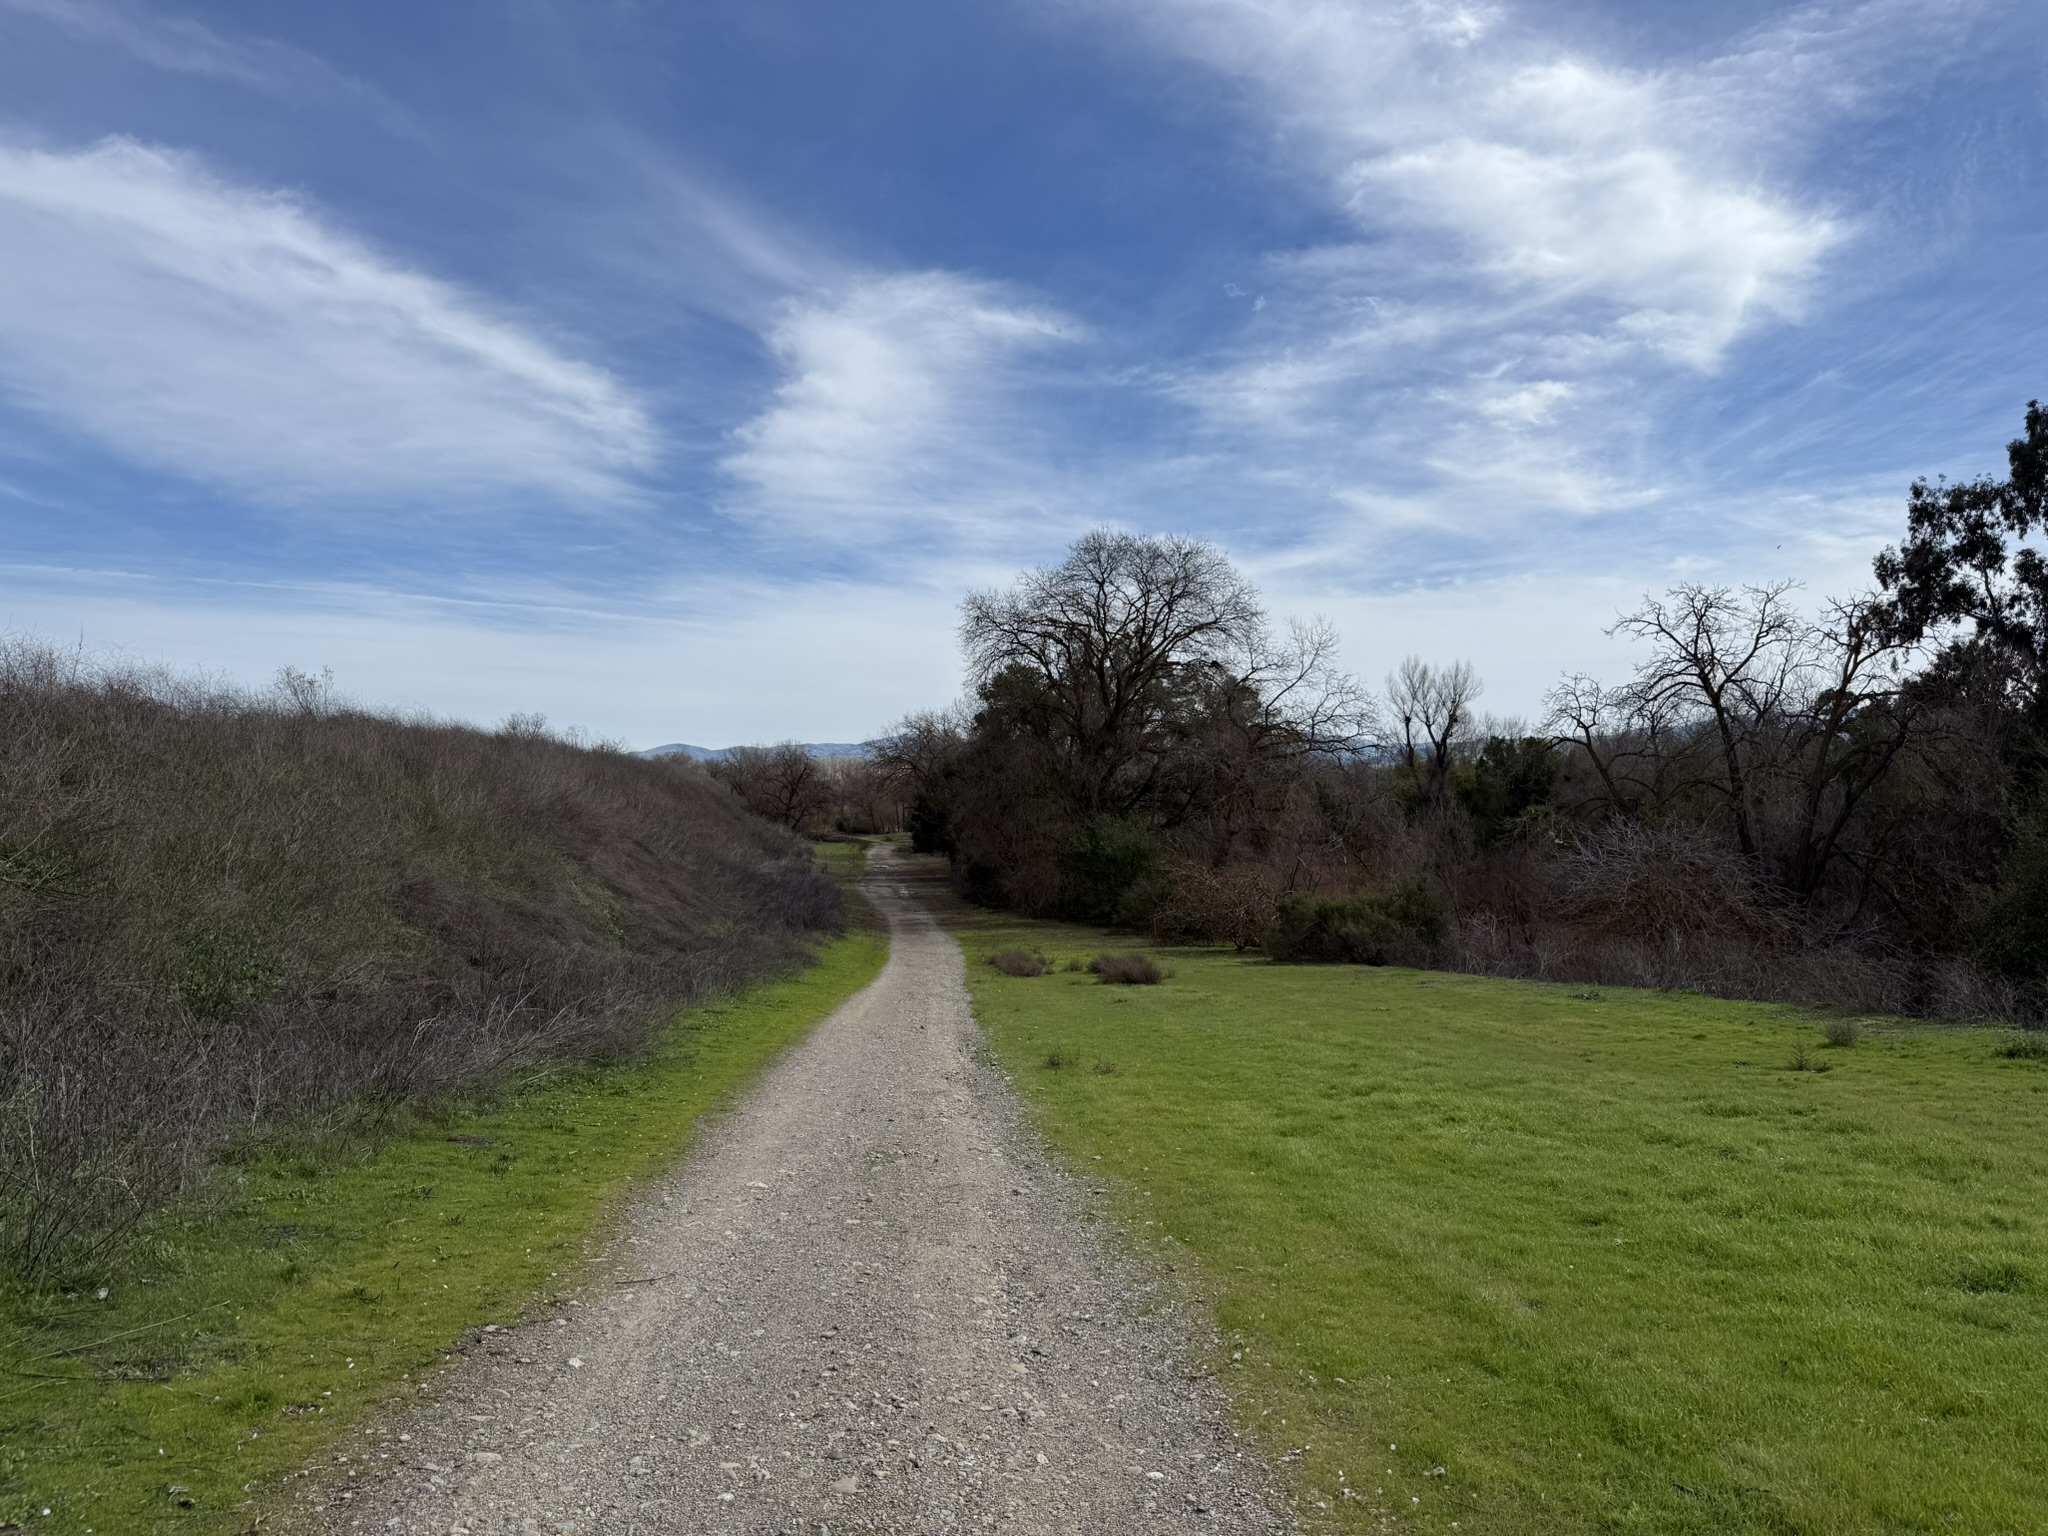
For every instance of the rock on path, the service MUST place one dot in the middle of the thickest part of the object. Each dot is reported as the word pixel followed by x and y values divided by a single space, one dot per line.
pixel 866 1302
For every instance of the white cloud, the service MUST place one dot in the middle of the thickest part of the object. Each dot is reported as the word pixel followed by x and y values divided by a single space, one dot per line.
pixel 1533 405
pixel 235 336
pixel 1543 258
pixel 1619 194
pixel 900 411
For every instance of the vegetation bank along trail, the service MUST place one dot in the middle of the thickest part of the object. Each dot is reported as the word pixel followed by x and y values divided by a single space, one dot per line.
pixel 867 1303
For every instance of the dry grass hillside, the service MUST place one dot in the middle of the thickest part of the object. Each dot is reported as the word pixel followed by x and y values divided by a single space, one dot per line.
pixel 221 915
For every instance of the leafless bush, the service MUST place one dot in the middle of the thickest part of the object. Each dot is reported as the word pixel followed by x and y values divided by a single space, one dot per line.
pixel 1017 962
pixel 1658 881
pixel 221 914
pixel 1767 969
pixel 1127 970
pixel 1232 905
pixel 1961 990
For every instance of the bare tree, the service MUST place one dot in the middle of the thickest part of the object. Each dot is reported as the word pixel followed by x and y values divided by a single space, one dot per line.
pixel 917 753
pixel 1296 699
pixel 1634 745
pixel 914 761
pixel 783 783
pixel 1855 717
pixel 1787 726
pixel 1729 659
pixel 863 796
pixel 1433 710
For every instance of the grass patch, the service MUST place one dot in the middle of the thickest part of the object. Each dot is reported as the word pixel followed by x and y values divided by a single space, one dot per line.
pixel 1842 1033
pixel 2029 1045
pixel 315 1284
pixel 1531 1260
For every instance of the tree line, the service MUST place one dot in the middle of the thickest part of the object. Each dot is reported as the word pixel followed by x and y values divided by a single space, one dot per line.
pixel 1833 805
pixel 1847 804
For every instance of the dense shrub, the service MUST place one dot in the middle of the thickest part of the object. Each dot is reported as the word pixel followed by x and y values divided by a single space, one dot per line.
pixel 1113 872
pixel 1399 929
pixel 2012 930
pixel 1017 962
pixel 927 826
pixel 219 914
pixel 1126 970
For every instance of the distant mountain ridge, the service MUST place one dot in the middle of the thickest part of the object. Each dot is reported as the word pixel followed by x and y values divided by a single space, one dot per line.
pixel 720 754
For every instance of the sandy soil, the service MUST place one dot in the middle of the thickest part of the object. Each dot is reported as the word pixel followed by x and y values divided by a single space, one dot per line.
pixel 866 1302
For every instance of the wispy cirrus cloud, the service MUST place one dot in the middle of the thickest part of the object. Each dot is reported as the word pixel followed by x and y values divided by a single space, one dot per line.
pixel 184 45
pixel 901 412
pixel 1548 247
pixel 1630 199
pixel 237 337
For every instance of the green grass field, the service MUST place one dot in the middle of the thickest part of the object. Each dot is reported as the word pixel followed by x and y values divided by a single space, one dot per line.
pixel 1504 1257
pixel 249 1331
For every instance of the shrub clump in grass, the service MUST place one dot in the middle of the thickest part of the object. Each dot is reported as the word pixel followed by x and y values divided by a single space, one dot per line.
pixel 1841 1032
pixel 1127 970
pixel 2029 1045
pixel 1055 1060
pixel 1802 1061
pixel 1019 962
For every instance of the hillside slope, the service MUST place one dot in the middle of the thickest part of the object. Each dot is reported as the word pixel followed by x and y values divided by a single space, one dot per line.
pixel 220 913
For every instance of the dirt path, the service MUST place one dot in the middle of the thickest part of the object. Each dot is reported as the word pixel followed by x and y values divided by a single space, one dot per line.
pixel 865 1303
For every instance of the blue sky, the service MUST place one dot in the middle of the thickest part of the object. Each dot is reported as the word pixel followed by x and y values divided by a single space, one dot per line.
pixel 672 370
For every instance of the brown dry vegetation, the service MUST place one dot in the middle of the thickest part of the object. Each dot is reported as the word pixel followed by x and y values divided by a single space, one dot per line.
pixel 221 915
pixel 823 797
pixel 1018 962
pixel 1127 970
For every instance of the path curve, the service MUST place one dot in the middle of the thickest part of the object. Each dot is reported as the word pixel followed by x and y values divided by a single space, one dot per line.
pixel 868 1302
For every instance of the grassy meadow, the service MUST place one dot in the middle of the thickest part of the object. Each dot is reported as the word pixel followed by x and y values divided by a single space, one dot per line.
pixel 314 1284
pixel 1506 1257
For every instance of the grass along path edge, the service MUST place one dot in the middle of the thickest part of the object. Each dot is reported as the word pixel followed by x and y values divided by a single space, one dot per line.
pixel 1512 1258
pixel 248 1336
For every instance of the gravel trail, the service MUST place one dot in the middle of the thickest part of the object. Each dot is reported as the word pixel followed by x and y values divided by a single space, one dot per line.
pixel 864 1303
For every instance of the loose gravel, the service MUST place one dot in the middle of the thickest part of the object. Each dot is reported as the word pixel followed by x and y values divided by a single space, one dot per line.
pixel 867 1302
